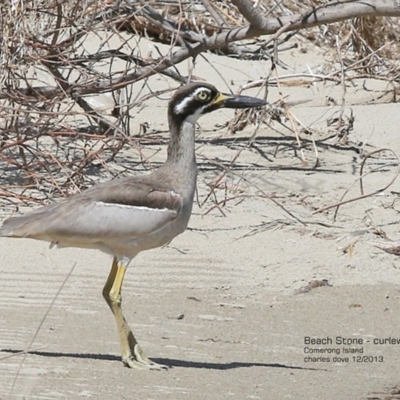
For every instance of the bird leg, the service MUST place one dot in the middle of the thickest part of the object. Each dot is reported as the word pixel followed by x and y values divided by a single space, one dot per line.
pixel 132 354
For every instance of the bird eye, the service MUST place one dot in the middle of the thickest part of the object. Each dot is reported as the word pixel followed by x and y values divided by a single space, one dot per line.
pixel 203 95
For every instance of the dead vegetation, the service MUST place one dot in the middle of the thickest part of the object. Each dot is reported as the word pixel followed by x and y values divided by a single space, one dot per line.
pixel 389 394
pixel 66 110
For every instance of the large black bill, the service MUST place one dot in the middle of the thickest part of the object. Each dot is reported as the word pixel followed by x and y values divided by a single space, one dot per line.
pixel 231 101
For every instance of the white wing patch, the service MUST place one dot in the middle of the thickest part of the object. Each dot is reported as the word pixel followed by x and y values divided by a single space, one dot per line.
pixel 174 193
pixel 107 221
pixel 127 206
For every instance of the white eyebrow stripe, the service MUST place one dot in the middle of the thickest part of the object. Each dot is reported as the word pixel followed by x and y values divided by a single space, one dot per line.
pixel 180 107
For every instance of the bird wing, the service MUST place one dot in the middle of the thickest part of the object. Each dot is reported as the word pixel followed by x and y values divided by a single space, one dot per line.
pixel 120 208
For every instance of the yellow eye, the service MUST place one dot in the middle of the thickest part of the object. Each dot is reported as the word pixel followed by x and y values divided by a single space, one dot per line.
pixel 203 95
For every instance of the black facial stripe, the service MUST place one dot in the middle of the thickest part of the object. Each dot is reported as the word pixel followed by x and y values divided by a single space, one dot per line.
pixel 185 103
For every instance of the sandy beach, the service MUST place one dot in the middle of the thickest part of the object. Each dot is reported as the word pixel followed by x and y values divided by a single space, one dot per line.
pixel 226 305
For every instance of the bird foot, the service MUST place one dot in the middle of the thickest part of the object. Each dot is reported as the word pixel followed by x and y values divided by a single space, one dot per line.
pixel 138 360
pixel 131 362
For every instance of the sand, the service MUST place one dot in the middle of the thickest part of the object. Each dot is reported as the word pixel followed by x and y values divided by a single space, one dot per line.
pixel 224 304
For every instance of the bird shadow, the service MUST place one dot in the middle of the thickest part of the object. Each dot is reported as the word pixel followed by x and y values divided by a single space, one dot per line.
pixel 169 362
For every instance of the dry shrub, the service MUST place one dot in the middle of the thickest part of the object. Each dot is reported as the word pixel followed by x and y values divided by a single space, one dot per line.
pixel 363 36
pixel 52 137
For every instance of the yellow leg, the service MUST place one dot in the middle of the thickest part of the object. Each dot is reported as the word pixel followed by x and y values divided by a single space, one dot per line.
pixel 132 354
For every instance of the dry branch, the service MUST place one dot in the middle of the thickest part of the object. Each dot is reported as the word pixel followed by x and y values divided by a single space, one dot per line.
pixel 361 178
pixel 48 73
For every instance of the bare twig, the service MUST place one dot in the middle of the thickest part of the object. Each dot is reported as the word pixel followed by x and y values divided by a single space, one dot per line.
pixel 363 196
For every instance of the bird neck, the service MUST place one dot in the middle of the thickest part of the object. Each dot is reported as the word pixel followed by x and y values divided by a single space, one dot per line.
pixel 181 148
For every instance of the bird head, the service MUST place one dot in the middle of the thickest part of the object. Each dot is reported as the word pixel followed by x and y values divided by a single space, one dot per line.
pixel 192 101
